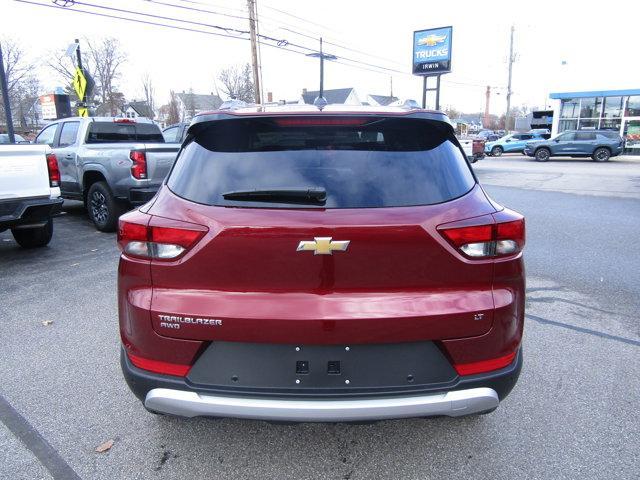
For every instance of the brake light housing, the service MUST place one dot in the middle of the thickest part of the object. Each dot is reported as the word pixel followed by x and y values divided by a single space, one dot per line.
pixel 139 166
pixel 54 170
pixel 319 121
pixel 502 237
pixel 154 242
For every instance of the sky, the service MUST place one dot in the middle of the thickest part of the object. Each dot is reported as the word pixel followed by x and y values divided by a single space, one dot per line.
pixel 559 45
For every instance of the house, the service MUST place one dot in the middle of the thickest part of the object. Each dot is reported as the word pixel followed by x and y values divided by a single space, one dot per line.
pixel 191 104
pixel 380 100
pixel 340 96
pixel 137 109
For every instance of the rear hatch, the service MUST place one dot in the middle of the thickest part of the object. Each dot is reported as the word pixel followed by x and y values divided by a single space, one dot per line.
pixel 321 230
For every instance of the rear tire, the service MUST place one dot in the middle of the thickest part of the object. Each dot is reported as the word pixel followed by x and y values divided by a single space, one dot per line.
pixel 33 237
pixel 601 154
pixel 103 208
pixel 542 154
pixel 497 151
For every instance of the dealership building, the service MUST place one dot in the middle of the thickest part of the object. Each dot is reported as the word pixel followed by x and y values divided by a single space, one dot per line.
pixel 617 110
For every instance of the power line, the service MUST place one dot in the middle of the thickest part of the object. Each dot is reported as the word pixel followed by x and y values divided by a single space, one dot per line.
pixel 200 10
pixel 281 44
pixel 299 18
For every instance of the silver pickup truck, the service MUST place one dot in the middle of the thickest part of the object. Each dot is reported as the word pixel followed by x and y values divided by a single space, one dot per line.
pixel 109 163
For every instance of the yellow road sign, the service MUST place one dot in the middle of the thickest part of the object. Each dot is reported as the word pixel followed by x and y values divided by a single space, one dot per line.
pixel 83 112
pixel 80 84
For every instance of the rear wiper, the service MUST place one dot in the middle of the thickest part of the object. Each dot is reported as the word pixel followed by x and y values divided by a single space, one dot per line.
pixel 309 195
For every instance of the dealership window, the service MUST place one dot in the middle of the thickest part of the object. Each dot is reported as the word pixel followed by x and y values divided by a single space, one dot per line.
pixel 613 107
pixel 567 125
pixel 590 107
pixel 610 124
pixel 588 124
pixel 633 106
pixel 570 108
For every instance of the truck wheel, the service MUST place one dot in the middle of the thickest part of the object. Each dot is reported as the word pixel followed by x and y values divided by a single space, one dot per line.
pixel 496 151
pixel 33 237
pixel 103 208
pixel 601 154
pixel 543 154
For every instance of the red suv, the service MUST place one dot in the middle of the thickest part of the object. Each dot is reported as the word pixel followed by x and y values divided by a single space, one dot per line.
pixel 307 265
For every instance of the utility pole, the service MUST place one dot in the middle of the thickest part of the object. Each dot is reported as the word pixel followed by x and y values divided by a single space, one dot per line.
pixel 511 60
pixel 391 81
pixel 485 120
pixel 320 101
pixel 5 98
pixel 251 6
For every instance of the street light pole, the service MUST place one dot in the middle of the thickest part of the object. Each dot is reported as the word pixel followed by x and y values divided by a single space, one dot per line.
pixel 5 98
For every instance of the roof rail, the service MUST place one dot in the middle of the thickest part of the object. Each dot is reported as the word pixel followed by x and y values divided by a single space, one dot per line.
pixel 408 104
pixel 234 104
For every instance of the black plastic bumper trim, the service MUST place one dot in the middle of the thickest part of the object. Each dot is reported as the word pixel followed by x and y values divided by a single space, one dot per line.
pixel 141 382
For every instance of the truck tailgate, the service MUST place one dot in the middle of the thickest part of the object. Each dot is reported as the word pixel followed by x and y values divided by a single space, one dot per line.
pixel 23 171
pixel 160 158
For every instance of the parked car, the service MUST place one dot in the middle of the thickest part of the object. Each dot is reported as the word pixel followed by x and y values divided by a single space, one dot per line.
pixel 600 145
pixel 4 139
pixel 29 193
pixel 473 148
pixel 513 143
pixel 321 265
pixel 175 133
pixel 109 163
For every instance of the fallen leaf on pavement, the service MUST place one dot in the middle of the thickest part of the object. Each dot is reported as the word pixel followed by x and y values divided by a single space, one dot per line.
pixel 103 447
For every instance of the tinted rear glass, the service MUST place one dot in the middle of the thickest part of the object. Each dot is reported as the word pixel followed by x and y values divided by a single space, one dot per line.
pixel 381 163
pixel 114 132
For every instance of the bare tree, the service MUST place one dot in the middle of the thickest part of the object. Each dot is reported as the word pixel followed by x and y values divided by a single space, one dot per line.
pixel 64 68
pixel 190 104
pixel 20 81
pixel 237 82
pixel 149 92
pixel 174 111
pixel 107 57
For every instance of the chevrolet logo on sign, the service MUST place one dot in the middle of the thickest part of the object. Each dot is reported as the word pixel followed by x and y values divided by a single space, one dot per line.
pixel 323 246
pixel 432 40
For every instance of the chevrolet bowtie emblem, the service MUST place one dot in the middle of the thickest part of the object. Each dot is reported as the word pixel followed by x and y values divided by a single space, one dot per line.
pixel 323 246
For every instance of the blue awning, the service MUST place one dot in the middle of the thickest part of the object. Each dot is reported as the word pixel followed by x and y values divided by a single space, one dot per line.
pixel 595 93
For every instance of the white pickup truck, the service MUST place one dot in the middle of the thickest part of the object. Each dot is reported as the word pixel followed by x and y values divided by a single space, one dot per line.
pixel 29 193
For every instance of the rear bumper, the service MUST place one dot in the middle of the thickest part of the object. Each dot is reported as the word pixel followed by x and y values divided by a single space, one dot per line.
pixel 465 395
pixel 140 196
pixel 27 211
pixel 452 404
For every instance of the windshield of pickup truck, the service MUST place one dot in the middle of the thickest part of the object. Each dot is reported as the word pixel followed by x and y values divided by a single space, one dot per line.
pixel 115 132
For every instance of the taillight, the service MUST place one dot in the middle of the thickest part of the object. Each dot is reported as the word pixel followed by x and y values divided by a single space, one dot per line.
pixel 54 171
pixel 158 243
pixel 487 241
pixel 139 167
pixel 156 366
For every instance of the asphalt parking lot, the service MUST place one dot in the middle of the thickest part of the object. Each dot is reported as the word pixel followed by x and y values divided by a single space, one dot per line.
pixel 575 412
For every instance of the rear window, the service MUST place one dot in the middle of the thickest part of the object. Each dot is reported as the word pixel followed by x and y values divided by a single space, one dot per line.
pixel 373 162
pixel 117 132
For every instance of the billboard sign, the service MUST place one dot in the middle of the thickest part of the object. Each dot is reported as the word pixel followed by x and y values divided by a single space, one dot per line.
pixel 432 51
pixel 55 106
